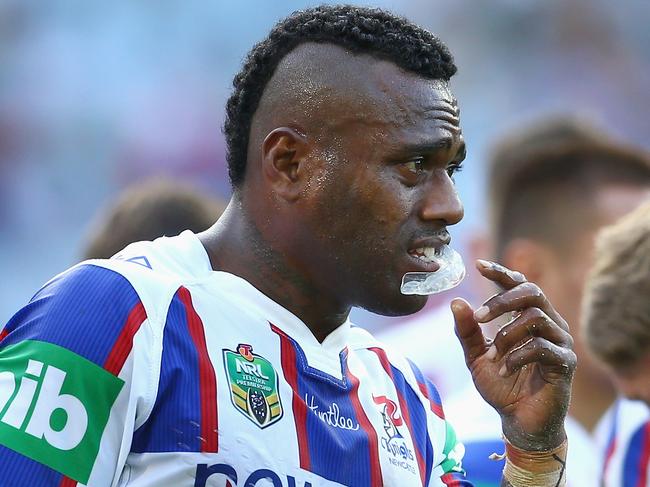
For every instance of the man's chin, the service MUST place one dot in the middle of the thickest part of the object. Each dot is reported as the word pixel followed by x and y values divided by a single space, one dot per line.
pixel 401 305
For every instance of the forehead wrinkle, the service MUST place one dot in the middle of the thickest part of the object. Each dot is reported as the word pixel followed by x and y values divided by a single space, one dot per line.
pixel 327 90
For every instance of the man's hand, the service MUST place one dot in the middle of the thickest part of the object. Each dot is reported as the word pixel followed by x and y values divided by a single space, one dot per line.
pixel 526 372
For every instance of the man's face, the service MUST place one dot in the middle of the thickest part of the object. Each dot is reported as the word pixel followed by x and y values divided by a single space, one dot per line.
pixel 382 194
pixel 564 277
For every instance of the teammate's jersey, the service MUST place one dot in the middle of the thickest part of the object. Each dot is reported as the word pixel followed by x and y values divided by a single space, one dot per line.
pixel 627 456
pixel 151 369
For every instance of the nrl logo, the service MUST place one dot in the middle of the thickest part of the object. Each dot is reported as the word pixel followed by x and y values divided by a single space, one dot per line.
pixel 253 385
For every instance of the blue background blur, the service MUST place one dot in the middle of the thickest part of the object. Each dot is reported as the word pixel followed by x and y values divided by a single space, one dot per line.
pixel 96 96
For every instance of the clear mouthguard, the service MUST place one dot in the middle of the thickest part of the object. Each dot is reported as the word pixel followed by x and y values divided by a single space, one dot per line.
pixel 451 272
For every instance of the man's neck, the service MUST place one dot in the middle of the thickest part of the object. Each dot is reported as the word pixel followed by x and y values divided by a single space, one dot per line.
pixel 590 400
pixel 235 245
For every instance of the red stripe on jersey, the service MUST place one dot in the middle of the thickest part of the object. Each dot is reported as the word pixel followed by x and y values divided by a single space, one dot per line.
pixel 3 333
pixel 124 343
pixel 288 362
pixel 435 408
pixel 207 377
pixel 449 480
pixel 645 456
pixel 373 443
pixel 67 482
pixel 609 453
pixel 383 359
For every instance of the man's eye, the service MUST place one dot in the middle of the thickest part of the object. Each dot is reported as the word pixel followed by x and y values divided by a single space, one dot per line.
pixel 454 168
pixel 416 166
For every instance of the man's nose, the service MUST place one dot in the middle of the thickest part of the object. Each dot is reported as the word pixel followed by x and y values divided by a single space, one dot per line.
pixel 439 200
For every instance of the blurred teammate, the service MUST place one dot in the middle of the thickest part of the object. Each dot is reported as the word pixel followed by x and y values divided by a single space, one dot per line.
pixel 227 357
pixel 617 330
pixel 551 187
pixel 148 211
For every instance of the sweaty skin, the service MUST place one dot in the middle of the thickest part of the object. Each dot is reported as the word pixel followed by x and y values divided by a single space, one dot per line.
pixel 531 355
pixel 340 187
pixel 350 164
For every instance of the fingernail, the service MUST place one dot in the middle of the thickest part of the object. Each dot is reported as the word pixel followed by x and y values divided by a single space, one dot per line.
pixel 503 371
pixel 481 313
pixel 491 354
pixel 483 263
pixel 456 307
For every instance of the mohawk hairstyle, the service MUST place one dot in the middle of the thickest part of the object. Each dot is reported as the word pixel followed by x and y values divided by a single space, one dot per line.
pixel 361 30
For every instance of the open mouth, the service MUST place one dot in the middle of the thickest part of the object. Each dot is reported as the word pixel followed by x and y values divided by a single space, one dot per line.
pixel 440 268
pixel 426 254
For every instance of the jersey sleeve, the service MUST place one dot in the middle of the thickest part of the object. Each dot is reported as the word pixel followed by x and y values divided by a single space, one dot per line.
pixel 68 392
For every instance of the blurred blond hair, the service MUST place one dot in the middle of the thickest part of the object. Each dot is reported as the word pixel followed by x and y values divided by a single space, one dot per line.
pixel 616 305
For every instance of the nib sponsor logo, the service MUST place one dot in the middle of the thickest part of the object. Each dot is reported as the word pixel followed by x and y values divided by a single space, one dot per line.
pixel 71 419
pixel 54 406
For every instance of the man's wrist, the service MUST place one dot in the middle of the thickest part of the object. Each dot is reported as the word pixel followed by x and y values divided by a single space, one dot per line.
pixel 552 436
pixel 526 468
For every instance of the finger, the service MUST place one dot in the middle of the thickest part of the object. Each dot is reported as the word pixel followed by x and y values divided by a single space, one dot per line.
pixel 532 322
pixel 524 295
pixel 468 331
pixel 541 351
pixel 500 274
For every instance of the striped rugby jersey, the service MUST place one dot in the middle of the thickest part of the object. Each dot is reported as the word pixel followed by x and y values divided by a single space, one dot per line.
pixel 151 369
pixel 627 456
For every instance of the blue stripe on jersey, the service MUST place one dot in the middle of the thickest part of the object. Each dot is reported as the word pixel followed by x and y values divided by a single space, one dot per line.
pixel 432 392
pixel 611 442
pixel 84 311
pixel 476 462
pixel 635 462
pixel 331 447
pixel 16 469
pixel 175 421
pixel 418 417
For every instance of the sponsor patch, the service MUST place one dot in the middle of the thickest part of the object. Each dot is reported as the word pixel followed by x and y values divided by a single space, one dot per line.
pixel 253 385
pixel 54 406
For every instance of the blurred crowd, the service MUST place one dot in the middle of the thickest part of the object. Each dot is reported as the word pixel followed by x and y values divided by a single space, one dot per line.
pixel 95 97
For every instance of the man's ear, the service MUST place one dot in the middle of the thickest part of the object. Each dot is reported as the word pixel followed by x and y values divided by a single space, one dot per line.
pixel 283 162
pixel 528 257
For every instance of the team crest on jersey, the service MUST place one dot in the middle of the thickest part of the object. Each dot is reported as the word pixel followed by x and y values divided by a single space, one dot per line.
pixel 400 452
pixel 253 385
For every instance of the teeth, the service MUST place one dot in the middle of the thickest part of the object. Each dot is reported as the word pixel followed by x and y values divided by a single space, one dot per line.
pixel 426 254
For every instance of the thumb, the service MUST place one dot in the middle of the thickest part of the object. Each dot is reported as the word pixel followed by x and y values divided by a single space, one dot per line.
pixel 468 330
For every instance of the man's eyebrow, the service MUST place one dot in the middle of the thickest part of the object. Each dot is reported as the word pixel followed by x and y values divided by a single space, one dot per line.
pixel 433 146
pixel 430 146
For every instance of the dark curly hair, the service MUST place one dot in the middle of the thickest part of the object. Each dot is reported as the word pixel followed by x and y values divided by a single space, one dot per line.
pixel 361 30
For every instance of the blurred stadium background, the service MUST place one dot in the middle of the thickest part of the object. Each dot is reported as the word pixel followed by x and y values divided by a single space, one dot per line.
pixel 97 96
